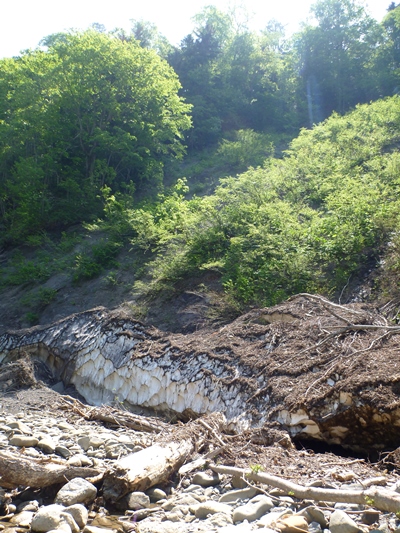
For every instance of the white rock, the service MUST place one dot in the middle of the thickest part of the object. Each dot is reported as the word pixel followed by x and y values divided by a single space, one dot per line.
pixel 69 520
pixel 79 514
pixel 77 490
pixel 47 518
pixel 137 500
pixel 23 441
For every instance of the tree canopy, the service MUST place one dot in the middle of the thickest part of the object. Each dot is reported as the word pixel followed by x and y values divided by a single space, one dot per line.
pixel 89 111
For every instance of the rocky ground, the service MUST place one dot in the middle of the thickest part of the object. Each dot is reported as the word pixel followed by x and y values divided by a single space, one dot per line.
pixel 40 421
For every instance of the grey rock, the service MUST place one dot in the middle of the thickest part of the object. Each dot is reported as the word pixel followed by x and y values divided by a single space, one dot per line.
pixel 23 428
pixel 62 451
pixel 314 527
pixel 238 482
pixel 239 494
pixel 95 442
pixel 220 520
pixel 68 519
pixel 202 510
pixel 370 516
pixel 341 522
pixel 47 518
pixel 58 387
pixel 155 494
pixel 253 510
pixel 46 445
pixel 23 441
pixel 349 506
pixel 137 500
pixel 205 480
pixel 80 460
pixel 77 490
pixel 269 520
pixel 84 443
pixel 314 514
pixel 79 513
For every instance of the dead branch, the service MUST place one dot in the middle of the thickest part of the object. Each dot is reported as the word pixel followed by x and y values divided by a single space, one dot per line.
pixel 116 417
pixel 382 499
pixel 154 465
pixel 324 301
pixel 17 470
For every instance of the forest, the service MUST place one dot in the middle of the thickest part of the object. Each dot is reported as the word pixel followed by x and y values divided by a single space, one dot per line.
pixel 271 162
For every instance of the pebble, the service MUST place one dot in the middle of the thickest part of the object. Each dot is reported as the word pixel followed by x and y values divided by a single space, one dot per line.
pixel 23 441
pixel 292 524
pixel 205 480
pixel 156 495
pixel 239 494
pixel 79 513
pixel 47 518
pixel 202 510
pixel 137 500
pixel 256 508
pixel 77 490
pixel 341 522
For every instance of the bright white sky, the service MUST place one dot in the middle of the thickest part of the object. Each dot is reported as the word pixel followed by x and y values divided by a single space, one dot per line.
pixel 23 23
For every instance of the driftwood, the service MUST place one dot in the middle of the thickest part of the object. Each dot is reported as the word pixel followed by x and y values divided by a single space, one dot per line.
pixel 154 465
pixel 115 417
pixel 382 499
pixel 17 470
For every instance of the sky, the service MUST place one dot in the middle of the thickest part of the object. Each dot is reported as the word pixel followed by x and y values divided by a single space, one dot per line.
pixel 23 23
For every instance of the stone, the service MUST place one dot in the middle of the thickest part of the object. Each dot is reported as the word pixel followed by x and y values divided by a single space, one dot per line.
pixel 238 482
pixel 271 519
pixel 23 428
pixel 256 508
pixel 94 529
pixel 84 443
pixel 205 480
pixel 62 451
pixel 79 513
pixel 77 490
pixel 22 519
pixel 314 527
pixel 220 520
pixel 239 494
pixel 46 445
pixel 28 506
pixel 341 522
pixel 47 518
pixel 23 441
pixel 370 516
pixel 314 514
pixel 69 519
pixel 292 524
pixel 137 500
pixel 202 510
pixel 155 494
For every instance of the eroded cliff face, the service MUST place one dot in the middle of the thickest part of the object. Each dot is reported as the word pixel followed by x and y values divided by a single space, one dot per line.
pixel 318 371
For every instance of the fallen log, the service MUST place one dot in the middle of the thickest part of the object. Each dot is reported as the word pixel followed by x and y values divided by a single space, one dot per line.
pixel 154 465
pixel 19 471
pixel 382 499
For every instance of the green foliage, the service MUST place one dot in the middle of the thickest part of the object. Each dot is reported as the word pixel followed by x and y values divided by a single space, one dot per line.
pixel 89 264
pixel 308 222
pixel 91 111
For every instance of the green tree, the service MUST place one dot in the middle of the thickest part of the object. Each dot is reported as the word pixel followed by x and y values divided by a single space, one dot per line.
pixel 91 111
pixel 336 57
